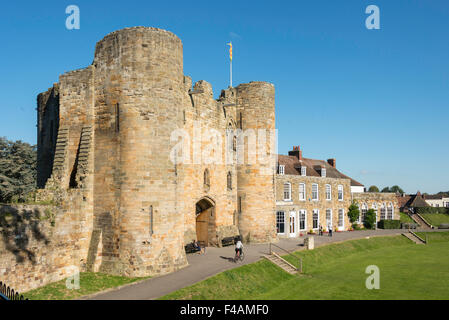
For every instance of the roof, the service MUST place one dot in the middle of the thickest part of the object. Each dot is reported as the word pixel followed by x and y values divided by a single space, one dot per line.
pixel 433 196
pixel 292 166
pixel 412 201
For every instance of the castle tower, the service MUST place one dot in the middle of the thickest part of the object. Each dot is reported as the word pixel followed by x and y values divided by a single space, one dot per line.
pixel 255 171
pixel 138 93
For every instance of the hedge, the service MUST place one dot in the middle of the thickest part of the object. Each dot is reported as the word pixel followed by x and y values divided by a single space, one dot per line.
pixel 389 224
pixel 424 210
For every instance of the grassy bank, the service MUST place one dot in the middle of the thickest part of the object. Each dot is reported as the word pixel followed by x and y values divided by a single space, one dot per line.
pixel 436 219
pixel 407 271
pixel 90 282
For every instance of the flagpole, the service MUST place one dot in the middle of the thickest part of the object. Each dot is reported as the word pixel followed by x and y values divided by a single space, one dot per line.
pixel 230 64
pixel 231 72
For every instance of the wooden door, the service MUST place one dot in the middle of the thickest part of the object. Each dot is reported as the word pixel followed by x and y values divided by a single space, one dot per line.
pixel 202 225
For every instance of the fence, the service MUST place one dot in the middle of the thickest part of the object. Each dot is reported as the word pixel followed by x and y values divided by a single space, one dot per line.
pixel 7 293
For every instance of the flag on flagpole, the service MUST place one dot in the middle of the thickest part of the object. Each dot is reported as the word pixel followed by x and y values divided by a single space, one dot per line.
pixel 230 64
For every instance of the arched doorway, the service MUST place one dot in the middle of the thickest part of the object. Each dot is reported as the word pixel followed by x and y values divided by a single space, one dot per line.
pixel 205 220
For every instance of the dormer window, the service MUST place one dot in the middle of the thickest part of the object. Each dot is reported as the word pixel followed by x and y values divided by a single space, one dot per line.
pixel 303 171
pixel 323 172
pixel 281 170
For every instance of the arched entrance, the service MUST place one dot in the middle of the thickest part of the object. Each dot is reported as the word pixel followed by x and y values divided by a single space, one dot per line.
pixel 205 220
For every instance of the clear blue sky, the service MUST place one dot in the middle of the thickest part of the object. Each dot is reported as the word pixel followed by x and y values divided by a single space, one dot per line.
pixel 376 100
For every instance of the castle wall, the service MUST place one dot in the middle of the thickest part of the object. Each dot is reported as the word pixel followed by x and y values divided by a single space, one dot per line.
pixel 256 188
pixel 47 131
pixel 138 85
pixel 38 245
pixel 205 126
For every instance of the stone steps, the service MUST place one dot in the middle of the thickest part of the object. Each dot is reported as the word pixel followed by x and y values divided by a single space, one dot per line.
pixel 420 221
pixel 61 147
pixel 282 263
pixel 414 237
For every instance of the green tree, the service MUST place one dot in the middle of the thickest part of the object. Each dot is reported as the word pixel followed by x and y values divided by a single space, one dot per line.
pixel 370 219
pixel 396 189
pixel 17 170
pixel 353 212
pixel 386 189
pixel 373 189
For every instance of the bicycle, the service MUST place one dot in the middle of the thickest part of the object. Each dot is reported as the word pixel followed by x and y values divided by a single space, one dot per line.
pixel 239 257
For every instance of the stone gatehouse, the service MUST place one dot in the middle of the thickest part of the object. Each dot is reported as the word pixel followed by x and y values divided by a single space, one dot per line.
pixel 109 140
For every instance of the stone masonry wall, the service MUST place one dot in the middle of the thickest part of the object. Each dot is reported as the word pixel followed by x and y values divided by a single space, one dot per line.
pixel 39 244
pixel 308 204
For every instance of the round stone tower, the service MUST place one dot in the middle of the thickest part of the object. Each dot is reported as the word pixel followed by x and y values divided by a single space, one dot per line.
pixel 138 95
pixel 255 171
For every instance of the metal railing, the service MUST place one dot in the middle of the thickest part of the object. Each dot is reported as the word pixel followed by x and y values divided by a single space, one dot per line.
pixel 289 253
pixel 7 293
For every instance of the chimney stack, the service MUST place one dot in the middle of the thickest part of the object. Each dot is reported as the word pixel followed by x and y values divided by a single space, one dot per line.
pixel 332 162
pixel 296 152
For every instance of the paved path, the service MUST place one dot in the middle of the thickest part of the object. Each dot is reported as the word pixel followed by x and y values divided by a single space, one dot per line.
pixel 217 260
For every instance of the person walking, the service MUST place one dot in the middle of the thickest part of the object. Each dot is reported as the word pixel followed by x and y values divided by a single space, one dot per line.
pixel 330 230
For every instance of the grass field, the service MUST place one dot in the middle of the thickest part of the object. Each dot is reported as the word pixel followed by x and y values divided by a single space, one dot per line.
pixel 405 218
pixel 436 219
pixel 89 283
pixel 407 271
pixel 434 237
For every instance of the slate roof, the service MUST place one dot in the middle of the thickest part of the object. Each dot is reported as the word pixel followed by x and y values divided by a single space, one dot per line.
pixel 293 166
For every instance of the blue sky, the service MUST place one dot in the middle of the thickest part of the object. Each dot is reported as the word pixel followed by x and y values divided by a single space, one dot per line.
pixel 376 100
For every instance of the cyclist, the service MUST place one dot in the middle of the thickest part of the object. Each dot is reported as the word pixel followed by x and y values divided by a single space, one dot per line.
pixel 238 248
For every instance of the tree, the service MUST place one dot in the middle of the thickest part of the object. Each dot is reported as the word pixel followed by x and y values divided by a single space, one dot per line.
pixel 396 189
pixel 353 212
pixel 386 189
pixel 17 170
pixel 370 219
pixel 373 189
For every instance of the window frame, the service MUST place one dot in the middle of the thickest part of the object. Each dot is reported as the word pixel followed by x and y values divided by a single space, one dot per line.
pixel 303 193
pixel 317 213
pixel 281 170
pixel 289 191
pixel 279 222
pixel 317 192
pixel 328 193
pixel 340 186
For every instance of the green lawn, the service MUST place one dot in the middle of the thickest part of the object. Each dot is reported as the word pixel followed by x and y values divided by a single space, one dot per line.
pixel 90 282
pixel 436 219
pixel 407 271
pixel 434 237
pixel 405 218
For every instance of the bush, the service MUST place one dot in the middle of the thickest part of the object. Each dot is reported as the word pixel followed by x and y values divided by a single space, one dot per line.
pixel 370 219
pixel 424 210
pixel 389 224
pixel 353 212
pixel 408 225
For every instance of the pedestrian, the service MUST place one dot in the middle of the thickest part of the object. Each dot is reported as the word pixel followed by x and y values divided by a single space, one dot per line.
pixel 330 231
pixel 321 230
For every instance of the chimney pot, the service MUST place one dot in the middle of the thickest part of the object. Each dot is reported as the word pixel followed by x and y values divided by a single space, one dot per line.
pixel 296 152
pixel 332 162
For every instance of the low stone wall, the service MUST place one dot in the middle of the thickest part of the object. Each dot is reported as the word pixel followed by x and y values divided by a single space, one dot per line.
pixel 38 245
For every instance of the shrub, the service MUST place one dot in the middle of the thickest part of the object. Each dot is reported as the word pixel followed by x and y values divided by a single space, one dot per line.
pixel 353 212
pixel 370 219
pixel 408 225
pixel 424 210
pixel 389 224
